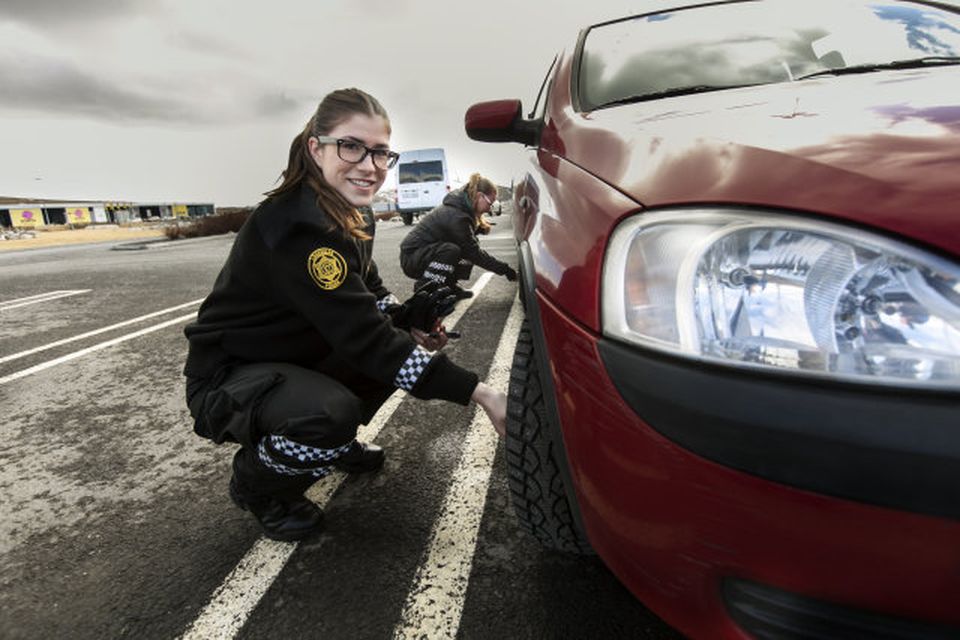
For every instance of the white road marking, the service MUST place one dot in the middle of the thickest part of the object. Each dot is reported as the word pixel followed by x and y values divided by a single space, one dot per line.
pixel 232 602
pixel 33 297
pixel 89 334
pixel 96 347
pixel 40 297
pixel 435 601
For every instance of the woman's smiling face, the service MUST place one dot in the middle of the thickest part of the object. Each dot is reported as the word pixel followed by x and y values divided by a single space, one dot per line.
pixel 359 182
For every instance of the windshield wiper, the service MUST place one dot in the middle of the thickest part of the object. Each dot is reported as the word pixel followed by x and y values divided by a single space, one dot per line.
pixel 914 63
pixel 668 93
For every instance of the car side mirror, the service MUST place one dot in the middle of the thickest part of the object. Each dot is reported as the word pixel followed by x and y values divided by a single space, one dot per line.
pixel 501 121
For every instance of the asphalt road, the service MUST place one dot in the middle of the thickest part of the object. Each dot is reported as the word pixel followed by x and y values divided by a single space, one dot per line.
pixel 114 518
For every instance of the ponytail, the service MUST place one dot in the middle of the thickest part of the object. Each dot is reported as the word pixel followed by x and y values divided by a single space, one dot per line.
pixel 475 185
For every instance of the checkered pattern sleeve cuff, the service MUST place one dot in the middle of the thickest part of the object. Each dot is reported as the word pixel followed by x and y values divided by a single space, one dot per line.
pixel 441 379
pixel 412 368
pixel 387 301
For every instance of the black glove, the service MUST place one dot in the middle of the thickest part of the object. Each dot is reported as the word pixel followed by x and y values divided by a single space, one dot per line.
pixel 421 311
pixel 511 274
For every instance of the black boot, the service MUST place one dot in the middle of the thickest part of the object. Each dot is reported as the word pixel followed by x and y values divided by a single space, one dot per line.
pixel 280 519
pixel 361 457
pixel 275 500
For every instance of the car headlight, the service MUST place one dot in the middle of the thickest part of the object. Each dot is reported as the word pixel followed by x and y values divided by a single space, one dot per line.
pixel 776 292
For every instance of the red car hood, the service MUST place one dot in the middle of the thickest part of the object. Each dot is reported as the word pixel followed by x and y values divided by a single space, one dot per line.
pixel 881 149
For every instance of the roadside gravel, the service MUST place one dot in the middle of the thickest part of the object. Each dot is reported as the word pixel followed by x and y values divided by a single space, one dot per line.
pixel 105 233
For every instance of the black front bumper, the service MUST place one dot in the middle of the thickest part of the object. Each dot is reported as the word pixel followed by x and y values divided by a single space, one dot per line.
pixel 768 613
pixel 896 448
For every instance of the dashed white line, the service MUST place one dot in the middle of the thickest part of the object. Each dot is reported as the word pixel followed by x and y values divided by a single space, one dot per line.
pixel 435 601
pixel 89 334
pixel 40 297
pixel 232 603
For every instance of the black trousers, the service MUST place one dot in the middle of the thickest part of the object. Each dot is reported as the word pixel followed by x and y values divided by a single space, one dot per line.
pixel 291 421
pixel 440 262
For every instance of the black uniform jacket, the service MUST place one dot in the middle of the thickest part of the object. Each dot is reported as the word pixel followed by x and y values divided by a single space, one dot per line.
pixel 296 289
pixel 453 221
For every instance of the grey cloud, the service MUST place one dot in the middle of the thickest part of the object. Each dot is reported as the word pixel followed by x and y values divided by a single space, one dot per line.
pixel 60 87
pixel 275 103
pixel 209 45
pixel 52 86
pixel 57 12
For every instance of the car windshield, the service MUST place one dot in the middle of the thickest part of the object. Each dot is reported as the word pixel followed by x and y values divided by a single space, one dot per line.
pixel 738 44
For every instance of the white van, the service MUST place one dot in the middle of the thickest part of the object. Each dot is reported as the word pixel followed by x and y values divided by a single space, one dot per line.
pixel 422 182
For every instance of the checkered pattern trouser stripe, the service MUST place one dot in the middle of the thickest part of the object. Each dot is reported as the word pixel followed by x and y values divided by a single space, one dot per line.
pixel 438 272
pixel 388 300
pixel 440 266
pixel 278 453
pixel 412 368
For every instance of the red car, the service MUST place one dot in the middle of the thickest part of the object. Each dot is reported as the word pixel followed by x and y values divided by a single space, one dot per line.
pixel 739 378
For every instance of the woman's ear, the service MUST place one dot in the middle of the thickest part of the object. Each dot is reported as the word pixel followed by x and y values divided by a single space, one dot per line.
pixel 315 148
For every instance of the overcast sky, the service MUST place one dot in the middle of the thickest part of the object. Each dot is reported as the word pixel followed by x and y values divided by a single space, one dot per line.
pixel 198 100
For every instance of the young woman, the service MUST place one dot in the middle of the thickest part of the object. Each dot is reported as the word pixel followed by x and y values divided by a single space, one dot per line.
pixel 300 342
pixel 443 247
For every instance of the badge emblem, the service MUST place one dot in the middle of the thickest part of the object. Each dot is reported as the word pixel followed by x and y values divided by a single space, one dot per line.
pixel 327 268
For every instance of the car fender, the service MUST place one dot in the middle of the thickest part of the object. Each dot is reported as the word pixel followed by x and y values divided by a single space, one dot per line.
pixel 528 296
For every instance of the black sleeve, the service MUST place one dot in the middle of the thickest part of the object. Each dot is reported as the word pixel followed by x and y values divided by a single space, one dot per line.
pixel 319 274
pixel 470 249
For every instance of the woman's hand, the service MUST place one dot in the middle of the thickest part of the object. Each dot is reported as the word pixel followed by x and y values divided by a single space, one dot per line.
pixel 483 226
pixel 430 341
pixel 495 404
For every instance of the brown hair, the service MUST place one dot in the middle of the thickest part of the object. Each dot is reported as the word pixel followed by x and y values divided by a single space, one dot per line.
pixel 477 184
pixel 335 107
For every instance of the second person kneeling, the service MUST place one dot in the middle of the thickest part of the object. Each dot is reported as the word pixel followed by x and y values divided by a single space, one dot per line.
pixel 443 246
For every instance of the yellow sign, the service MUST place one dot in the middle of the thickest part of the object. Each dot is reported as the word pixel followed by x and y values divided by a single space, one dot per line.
pixel 180 210
pixel 78 215
pixel 26 217
pixel 327 268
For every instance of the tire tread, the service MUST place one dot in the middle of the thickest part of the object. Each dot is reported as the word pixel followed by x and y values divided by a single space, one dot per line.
pixel 536 484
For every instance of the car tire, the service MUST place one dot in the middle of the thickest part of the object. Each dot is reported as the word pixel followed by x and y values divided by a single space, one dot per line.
pixel 407 218
pixel 536 485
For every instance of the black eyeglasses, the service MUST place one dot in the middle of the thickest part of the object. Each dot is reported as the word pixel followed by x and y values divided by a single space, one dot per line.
pixel 356 152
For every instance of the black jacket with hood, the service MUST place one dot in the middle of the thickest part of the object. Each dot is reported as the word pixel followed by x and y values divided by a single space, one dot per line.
pixel 297 289
pixel 453 221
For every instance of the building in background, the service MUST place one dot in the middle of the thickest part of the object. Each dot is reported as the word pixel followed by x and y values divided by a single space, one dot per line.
pixel 26 213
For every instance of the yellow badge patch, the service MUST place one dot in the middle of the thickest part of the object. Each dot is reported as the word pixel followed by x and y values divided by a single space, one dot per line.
pixel 327 268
